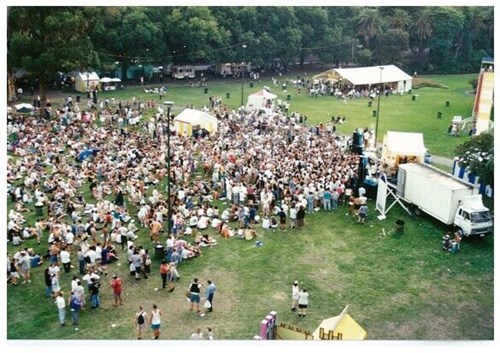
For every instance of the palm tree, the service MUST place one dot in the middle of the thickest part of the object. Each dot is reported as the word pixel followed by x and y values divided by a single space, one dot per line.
pixel 423 27
pixel 370 24
pixel 399 19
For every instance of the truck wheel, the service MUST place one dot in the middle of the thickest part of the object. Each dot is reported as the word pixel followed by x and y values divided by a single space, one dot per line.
pixel 460 232
pixel 417 211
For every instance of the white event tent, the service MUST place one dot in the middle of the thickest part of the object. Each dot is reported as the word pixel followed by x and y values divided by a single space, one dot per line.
pixel 192 119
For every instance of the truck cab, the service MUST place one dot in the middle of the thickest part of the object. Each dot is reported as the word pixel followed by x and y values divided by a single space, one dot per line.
pixel 473 218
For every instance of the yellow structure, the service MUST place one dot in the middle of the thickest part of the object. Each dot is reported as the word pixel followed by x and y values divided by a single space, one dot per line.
pixel 341 327
pixel 291 332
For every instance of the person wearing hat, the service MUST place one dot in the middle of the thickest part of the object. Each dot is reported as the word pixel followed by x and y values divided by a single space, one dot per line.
pixel 295 295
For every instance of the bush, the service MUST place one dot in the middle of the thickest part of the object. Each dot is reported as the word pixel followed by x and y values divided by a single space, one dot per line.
pixel 419 83
pixel 473 83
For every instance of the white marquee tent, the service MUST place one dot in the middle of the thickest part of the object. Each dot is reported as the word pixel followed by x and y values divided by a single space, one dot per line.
pixel 84 80
pixel 190 119
pixel 260 99
pixel 403 146
pixel 373 75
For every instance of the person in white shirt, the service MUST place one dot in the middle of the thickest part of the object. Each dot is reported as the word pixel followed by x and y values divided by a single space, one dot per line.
pixel 295 295
pixel 61 307
pixel 303 302
pixel 64 256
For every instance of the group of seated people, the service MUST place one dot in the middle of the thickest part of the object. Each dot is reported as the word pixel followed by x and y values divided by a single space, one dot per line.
pixel 452 244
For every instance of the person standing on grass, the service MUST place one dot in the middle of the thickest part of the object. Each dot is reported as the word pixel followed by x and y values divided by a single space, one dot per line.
pixel 75 303
pixel 362 213
pixel 303 302
pixel 65 260
pixel 194 290
pixel 94 293
pixel 117 285
pixel 293 216
pixel 140 322
pixel 61 307
pixel 301 215
pixel 295 295
pixel 155 321
pixel 163 273
pixel 24 267
pixel 172 276
pixel 209 294
pixel 282 217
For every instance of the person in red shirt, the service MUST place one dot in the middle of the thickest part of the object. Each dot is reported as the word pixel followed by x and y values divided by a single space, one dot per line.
pixel 116 284
pixel 163 273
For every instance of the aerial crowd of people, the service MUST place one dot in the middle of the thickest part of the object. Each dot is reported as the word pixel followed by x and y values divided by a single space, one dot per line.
pixel 94 182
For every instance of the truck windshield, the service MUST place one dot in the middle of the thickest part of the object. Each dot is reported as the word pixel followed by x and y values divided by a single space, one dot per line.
pixel 478 217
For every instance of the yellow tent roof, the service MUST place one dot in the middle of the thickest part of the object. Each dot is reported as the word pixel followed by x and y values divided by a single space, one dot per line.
pixel 343 324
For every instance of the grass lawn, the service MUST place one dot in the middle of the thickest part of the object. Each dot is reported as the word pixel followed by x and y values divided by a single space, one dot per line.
pixel 398 287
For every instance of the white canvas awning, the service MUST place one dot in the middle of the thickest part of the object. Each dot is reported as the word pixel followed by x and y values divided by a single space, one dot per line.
pixel 405 143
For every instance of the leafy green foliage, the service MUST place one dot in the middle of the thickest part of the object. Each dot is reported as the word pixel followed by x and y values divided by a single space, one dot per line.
pixel 477 154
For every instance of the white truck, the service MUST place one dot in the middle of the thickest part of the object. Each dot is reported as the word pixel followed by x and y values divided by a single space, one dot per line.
pixel 444 197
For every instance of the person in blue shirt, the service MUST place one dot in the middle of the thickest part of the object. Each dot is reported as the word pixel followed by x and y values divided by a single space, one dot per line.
pixel 209 294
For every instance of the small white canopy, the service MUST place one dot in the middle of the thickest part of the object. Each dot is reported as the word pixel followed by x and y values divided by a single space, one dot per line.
pixel 405 143
pixel 189 118
pixel 105 80
pixel 86 80
pixel 259 99
pixel 116 79
pixel 400 146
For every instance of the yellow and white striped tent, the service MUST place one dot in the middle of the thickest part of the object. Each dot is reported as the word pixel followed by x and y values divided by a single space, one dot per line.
pixel 189 118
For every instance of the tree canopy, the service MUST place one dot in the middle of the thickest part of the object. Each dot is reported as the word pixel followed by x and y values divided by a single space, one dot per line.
pixel 478 155
pixel 44 40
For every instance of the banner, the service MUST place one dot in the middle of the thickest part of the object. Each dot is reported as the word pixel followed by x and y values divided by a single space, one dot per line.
pixel 381 193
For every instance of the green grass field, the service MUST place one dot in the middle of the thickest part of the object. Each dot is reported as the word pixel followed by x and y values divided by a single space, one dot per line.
pixel 398 287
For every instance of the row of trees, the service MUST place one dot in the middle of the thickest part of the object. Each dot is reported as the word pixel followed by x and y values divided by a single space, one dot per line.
pixel 45 40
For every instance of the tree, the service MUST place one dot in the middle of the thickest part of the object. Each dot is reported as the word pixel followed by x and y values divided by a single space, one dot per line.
pixel 391 45
pixel 422 26
pixel 46 40
pixel 370 24
pixel 399 19
pixel 195 35
pixel 477 154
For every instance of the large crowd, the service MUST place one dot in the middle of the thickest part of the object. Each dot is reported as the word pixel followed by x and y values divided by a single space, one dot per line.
pixel 95 177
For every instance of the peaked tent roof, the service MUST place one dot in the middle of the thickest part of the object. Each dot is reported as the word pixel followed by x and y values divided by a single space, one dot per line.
pixel 326 75
pixel 92 76
pixel 371 75
pixel 265 94
pixel 194 117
